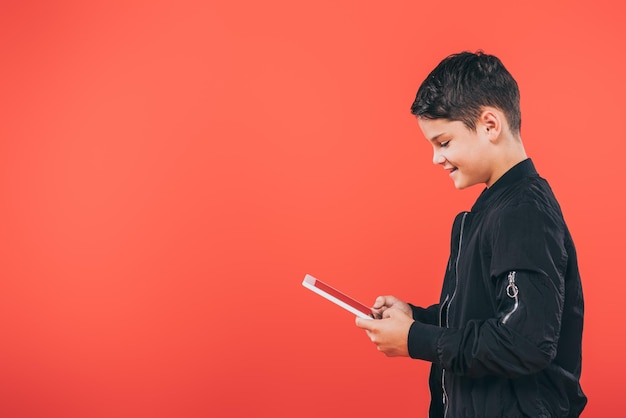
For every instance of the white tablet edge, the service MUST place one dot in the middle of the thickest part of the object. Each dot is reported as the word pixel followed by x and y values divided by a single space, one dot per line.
pixel 307 283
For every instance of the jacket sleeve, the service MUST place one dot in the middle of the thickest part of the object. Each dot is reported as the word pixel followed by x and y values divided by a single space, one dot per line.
pixel 528 287
pixel 428 315
pixel 521 340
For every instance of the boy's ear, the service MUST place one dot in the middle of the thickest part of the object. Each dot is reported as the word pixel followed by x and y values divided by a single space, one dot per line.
pixel 490 122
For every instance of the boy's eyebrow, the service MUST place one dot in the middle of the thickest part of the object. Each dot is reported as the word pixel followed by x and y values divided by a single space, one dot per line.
pixel 434 138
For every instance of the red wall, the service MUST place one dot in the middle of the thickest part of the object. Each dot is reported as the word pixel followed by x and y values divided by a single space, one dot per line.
pixel 171 170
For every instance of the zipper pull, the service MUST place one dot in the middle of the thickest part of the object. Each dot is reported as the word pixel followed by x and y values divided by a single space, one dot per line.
pixel 511 289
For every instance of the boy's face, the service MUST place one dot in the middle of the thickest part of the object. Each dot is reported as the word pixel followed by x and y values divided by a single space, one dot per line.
pixel 466 155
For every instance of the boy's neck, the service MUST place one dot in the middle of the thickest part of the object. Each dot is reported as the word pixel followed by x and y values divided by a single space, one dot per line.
pixel 510 153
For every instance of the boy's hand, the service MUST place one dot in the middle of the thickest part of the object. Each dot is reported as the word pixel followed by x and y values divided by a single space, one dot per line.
pixel 389 333
pixel 383 303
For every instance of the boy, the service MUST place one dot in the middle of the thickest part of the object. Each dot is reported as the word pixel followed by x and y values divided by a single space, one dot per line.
pixel 505 338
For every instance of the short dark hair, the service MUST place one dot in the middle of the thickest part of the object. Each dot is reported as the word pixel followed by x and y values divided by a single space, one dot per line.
pixel 463 84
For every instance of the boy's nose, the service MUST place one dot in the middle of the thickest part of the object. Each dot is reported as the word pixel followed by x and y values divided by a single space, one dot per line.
pixel 438 158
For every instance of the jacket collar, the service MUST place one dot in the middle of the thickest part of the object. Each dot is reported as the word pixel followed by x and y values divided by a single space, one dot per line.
pixel 523 169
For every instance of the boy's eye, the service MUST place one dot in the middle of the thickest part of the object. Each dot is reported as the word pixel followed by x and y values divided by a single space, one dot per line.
pixel 444 144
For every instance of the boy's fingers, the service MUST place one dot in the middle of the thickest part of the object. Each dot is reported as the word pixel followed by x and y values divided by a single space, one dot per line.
pixel 379 302
pixel 393 312
pixel 377 313
pixel 365 324
pixel 389 312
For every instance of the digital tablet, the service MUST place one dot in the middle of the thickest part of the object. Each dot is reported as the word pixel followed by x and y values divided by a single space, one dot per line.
pixel 337 297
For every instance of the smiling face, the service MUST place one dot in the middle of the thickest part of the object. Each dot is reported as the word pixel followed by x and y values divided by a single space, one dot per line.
pixel 467 155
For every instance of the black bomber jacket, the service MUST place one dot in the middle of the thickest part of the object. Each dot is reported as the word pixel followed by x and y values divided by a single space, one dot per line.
pixel 505 338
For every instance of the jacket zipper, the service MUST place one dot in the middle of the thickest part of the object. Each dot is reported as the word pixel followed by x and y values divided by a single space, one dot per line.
pixel 511 291
pixel 444 307
pixel 456 283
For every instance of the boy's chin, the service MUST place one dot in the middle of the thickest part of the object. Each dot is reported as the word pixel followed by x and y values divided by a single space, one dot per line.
pixel 462 185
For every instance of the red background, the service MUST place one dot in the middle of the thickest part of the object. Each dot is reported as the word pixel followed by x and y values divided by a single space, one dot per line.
pixel 170 171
